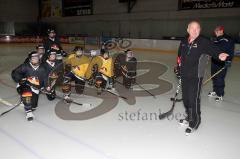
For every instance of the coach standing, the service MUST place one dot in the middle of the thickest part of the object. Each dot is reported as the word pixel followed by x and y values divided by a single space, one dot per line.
pixel 226 44
pixel 193 57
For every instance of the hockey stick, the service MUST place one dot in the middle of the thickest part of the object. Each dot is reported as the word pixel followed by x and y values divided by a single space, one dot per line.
pixel 68 101
pixel 166 114
pixel 204 83
pixel 140 87
pixel 115 94
pixel 103 90
pixel 215 74
pixel 177 100
pixel 14 106
pixel 146 90
pixel 72 101
pixel 174 99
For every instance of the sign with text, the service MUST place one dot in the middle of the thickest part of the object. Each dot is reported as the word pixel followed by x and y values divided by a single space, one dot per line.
pixel 77 7
pixel 207 4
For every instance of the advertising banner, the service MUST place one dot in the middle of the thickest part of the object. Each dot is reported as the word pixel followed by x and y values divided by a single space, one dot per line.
pixel 207 4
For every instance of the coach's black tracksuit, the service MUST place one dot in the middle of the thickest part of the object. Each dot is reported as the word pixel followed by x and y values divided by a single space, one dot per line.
pixel 194 58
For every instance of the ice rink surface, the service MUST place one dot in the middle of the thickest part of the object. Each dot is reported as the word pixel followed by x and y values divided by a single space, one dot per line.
pixel 114 128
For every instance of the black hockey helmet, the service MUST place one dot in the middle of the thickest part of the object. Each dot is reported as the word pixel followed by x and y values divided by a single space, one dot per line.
pixel 129 53
pixel 34 55
pixel 40 47
pixel 78 48
pixel 40 50
pixel 104 51
pixel 52 52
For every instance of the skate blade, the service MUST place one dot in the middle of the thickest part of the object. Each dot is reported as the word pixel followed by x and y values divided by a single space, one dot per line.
pixel 183 125
pixel 30 119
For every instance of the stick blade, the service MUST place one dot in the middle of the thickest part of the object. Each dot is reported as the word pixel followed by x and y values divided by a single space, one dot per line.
pixel 164 115
pixel 176 100
pixel 123 97
pixel 87 105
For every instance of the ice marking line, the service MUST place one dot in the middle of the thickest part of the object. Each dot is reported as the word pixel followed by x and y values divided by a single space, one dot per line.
pixel 58 131
pixel 5 102
pixel 21 144
pixel 76 140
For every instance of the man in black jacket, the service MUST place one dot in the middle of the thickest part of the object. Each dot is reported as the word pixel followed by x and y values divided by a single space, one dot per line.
pixel 30 78
pixel 226 44
pixel 193 57
pixel 52 42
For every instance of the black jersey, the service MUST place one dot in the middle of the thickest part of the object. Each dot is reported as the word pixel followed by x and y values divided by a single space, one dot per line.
pixel 27 71
pixel 52 70
pixel 194 56
pixel 51 67
pixel 128 67
pixel 131 65
pixel 48 43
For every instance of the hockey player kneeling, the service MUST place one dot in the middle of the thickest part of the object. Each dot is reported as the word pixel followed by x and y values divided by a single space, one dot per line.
pixel 104 75
pixel 30 78
pixel 52 71
pixel 40 50
pixel 75 70
pixel 59 58
pixel 126 66
pixel 118 62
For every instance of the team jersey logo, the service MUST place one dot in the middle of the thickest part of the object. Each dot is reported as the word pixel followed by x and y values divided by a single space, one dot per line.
pixel 33 80
pixel 104 69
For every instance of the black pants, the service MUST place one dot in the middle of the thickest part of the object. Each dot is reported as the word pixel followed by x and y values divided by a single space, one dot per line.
pixel 127 82
pixel 60 73
pixel 80 84
pixel 191 89
pixel 218 80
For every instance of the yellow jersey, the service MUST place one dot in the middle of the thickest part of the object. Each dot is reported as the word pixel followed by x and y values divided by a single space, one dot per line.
pixel 79 64
pixel 107 67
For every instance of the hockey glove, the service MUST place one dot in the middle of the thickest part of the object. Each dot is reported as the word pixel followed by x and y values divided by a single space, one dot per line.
pixel 22 81
pixel 228 63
